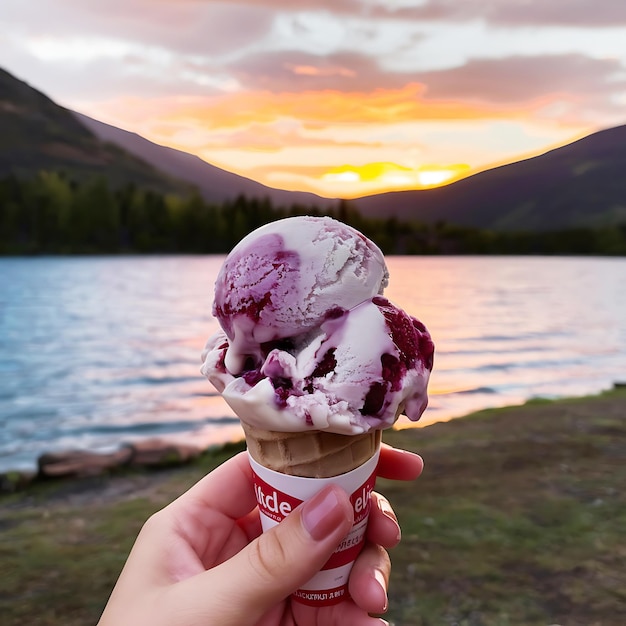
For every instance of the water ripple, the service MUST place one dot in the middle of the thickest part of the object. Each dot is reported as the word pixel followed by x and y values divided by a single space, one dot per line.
pixel 98 350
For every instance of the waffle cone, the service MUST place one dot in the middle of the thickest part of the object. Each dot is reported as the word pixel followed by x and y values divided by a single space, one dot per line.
pixel 314 454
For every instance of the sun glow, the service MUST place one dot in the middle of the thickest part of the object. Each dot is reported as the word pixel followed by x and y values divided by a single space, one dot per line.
pixel 347 176
pixel 381 177
pixel 433 178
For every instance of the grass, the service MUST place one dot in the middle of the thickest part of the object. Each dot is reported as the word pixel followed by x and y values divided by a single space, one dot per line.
pixel 518 520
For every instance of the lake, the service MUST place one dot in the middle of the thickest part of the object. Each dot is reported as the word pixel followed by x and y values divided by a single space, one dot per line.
pixel 97 351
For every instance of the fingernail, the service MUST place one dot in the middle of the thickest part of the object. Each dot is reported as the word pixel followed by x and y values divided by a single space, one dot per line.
pixel 323 513
pixel 382 584
pixel 387 511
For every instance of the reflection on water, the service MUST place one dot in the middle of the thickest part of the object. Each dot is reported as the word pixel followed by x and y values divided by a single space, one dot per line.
pixel 95 351
pixel 508 329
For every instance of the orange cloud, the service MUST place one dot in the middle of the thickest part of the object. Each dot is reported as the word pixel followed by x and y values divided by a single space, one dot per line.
pixel 279 118
pixel 311 70
pixel 388 137
pixel 313 108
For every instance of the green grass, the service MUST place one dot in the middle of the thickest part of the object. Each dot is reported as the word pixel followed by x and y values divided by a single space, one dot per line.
pixel 62 546
pixel 518 520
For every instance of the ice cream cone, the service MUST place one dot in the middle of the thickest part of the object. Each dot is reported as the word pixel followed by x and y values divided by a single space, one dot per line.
pixel 309 348
pixel 313 454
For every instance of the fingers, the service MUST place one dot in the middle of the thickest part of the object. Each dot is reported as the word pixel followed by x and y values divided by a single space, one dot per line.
pixel 222 501
pixel 251 525
pixel 383 527
pixel 369 579
pixel 238 499
pixel 339 614
pixel 370 575
pixel 278 562
pixel 275 564
pixel 399 464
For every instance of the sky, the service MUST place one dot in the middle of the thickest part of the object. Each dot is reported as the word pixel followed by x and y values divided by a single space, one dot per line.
pixel 344 98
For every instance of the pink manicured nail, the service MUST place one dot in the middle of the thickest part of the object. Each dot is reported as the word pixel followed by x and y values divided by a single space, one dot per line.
pixel 388 512
pixel 381 583
pixel 323 513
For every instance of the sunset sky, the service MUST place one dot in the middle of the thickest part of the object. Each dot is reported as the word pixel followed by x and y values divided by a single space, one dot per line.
pixel 340 97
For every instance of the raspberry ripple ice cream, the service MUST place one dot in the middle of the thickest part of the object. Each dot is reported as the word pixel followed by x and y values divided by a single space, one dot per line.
pixel 308 342
pixel 316 362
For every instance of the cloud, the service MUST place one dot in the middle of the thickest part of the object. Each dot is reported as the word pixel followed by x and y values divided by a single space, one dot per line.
pixel 269 137
pixel 323 107
pixel 307 104
pixel 540 13
pixel 274 138
pixel 338 90
pixel 198 47
pixel 501 12
pixel 519 79
pixel 201 28
pixel 276 84
pixel 290 71
pixel 554 12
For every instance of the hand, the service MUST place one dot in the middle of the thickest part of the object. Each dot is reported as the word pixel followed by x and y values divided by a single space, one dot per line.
pixel 203 559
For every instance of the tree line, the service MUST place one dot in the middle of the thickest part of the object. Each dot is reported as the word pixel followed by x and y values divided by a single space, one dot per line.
pixel 53 214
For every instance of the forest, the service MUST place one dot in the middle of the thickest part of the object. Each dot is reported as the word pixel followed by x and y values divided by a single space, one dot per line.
pixel 53 214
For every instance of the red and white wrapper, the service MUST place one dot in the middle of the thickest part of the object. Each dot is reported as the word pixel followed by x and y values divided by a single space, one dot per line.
pixel 278 494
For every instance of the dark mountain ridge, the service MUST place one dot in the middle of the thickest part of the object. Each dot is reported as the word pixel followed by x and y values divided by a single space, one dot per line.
pixel 581 185
pixel 36 134
pixel 215 184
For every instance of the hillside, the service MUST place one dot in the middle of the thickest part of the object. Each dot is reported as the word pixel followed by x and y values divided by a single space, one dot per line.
pixel 215 184
pixel 578 185
pixel 37 134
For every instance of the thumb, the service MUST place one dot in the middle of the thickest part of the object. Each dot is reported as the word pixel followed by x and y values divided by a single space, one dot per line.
pixel 275 564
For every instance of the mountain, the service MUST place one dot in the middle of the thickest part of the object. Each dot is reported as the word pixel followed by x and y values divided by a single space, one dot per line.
pixel 578 185
pixel 581 184
pixel 214 183
pixel 37 134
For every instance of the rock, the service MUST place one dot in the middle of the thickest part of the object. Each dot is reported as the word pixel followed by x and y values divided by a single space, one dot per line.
pixel 159 453
pixel 81 462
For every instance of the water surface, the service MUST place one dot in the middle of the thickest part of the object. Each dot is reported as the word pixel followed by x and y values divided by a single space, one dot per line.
pixel 96 351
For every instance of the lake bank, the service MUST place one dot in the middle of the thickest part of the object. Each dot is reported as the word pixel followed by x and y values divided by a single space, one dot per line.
pixel 517 520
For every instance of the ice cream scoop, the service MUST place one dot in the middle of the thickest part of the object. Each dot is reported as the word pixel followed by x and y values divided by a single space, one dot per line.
pixel 308 342
pixel 282 280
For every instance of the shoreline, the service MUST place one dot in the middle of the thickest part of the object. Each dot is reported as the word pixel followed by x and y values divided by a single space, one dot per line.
pixel 517 520
pixel 159 453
